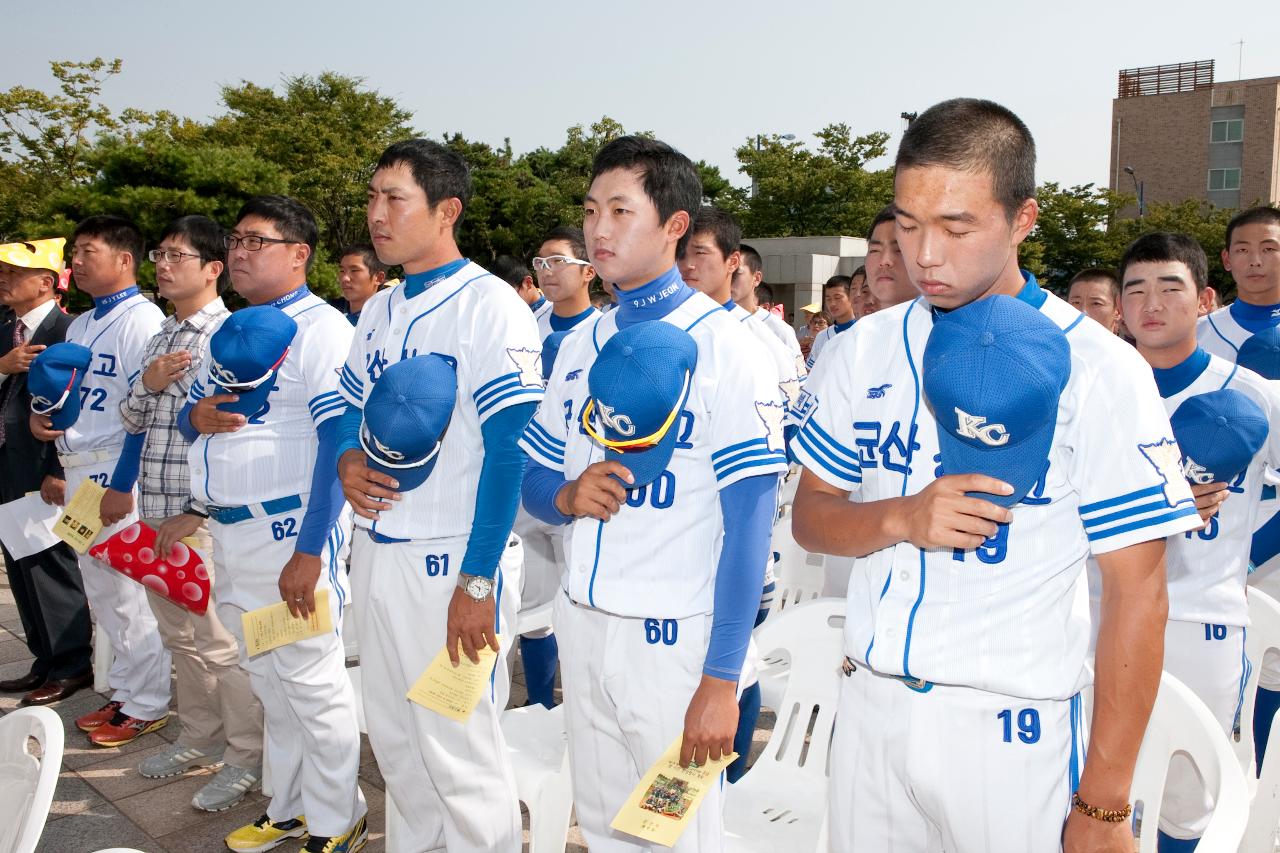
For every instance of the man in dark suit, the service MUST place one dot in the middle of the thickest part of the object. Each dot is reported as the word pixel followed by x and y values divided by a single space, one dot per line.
pixel 46 586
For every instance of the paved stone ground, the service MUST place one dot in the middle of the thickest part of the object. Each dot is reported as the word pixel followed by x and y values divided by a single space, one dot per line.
pixel 102 801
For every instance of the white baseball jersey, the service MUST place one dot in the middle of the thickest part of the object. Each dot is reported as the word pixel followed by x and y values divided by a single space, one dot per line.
pixel 1222 335
pixel 820 340
pixel 544 320
pixel 274 454
pixel 657 557
pixel 1010 616
pixel 542 313
pixel 790 369
pixel 475 321
pixel 1207 568
pixel 117 333
pixel 785 333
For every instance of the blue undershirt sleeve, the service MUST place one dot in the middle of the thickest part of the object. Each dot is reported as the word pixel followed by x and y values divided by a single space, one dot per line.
pixel 125 475
pixel 349 430
pixel 498 494
pixel 541 485
pixel 748 507
pixel 184 423
pixel 326 493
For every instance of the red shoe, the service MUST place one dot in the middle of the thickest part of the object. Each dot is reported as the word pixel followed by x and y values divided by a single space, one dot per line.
pixel 123 729
pixel 93 719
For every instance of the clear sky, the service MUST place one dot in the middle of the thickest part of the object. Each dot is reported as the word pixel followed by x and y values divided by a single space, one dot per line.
pixel 704 76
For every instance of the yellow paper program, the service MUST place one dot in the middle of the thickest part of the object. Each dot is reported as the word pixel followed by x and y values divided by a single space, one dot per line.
pixel 81 520
pixel 662 806
pixel 273 626
pixel 452 690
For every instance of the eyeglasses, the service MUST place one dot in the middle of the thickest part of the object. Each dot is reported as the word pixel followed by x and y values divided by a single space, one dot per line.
pixel 251 242
pixel 557 262
pixel 169 256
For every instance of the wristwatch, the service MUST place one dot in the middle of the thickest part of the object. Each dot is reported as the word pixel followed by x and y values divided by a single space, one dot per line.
pixel 477 587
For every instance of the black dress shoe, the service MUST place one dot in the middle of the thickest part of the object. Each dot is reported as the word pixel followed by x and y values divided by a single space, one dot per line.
pixel 54 691
pixel 23 684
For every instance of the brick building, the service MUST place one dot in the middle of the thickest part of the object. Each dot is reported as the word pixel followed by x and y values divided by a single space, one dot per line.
pixel 1184 136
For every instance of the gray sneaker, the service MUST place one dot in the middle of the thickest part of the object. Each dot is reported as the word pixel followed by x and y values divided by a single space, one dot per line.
pixel 177 759
pixel 227 788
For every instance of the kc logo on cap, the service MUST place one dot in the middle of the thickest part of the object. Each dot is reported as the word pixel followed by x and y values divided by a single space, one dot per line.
pixel 1218 434
pixel 246 353
pixel 406 417
pixel 994 371
pixel 639 384
pixel 54 382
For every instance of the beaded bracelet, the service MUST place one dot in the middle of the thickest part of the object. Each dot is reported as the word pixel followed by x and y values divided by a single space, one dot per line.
pixel 1104 815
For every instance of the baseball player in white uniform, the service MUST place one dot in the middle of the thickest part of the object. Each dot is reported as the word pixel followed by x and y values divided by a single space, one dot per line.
pixel 971 462
pixel 836 301
pixel 659 443
pixel 1221 415
pixel 746 283
pixel 436 565
pixel 105 253
pixel 263 463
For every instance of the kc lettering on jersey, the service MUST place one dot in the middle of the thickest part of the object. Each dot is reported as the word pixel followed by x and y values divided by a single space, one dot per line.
pixel 117 334
pixel 657 557
pixel 1010 616
pixel 474 321
pixel 274 454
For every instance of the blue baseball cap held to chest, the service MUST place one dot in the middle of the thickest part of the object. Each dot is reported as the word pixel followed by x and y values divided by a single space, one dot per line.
pixel 406 417
pixel 1218 433
pixel 994 371
pixel 639 383
pixel 1261 353
pixel 54 382
pixel 245 355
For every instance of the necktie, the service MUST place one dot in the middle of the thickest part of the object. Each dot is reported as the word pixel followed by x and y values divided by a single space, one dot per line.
pixel 19 338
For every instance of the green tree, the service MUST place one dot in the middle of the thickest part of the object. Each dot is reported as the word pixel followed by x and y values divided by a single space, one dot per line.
pixel 1071 232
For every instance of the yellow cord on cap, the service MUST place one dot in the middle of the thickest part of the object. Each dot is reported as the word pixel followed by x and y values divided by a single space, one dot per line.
pixel 634 444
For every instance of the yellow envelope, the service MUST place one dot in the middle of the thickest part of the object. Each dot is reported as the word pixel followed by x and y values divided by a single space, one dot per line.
pixel 81 521
pixel 454 690
pixel 273 626
pixel 662 806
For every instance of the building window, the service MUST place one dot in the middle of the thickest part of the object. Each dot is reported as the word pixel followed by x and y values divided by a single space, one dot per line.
pixel 1224 179
pixel 1229 130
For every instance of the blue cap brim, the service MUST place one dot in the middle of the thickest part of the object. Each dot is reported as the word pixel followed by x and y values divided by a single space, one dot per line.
pixel 250 402
pixel 1021 465
pixel 646 465
pixel 407 478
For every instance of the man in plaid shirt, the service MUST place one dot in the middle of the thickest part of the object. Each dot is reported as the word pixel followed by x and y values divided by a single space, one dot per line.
pixel 221 717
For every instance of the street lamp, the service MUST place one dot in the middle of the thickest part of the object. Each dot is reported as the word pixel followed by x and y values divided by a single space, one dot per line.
pixel 755 185
pixel 1138 187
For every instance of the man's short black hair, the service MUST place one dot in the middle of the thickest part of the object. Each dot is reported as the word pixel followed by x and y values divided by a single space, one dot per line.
pixel 205 236
pixel 972 135
pixel 764 294
pixel 719 224
pixel 292 219
pixel 861 271
pixel 1262 215
pixel 511 270
pixel 119 233
pixel 844 282
pixel 573 236
pixel 368 255
pixel 441 172
pixel 670 179
pixel 885 214
pixel 1098 274
pixel 1164 247
pixel 751 259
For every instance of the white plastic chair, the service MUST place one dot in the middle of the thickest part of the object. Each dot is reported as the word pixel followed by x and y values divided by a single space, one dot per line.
pixel 538 746
pixel 781 803
pixel 533 619
pixel 1180 723
pixel 1263 830
pixel 800 575
pixel 27 782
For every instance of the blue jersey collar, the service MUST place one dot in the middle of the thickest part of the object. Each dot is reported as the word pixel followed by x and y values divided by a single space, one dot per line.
pixel 1255 318
pixel 291 297
pixel 654 300
pixel 102 305
pixel 542 300
pixel 843 327
pixel 1171 380
pixel 564 324
pixel 417 282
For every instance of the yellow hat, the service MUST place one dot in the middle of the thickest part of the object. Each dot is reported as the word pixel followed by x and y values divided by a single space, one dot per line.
pixel 35 254
pixel 812 308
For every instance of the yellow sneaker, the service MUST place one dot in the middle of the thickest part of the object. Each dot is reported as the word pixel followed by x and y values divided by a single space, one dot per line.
pixel 349 842
pixel 263 834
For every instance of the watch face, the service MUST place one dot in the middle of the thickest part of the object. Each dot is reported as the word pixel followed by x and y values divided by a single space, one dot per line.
pixel 479 588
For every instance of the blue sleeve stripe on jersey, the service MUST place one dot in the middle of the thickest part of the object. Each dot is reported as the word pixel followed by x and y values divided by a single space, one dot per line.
pixel 490 386
pixel 538 454
pixel 319 401
pixel 536 438
pixel 733 448
pixel 520 393
pixel 811 453
pixel 133 377
pixel 324 412
pixel 197 390
pixel 1128 512
pixel 776 460
pixel 351 383
pixel 1085 509
pixel 835 451
pixel 1145 522
pixel 552 442
pixel 751 453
